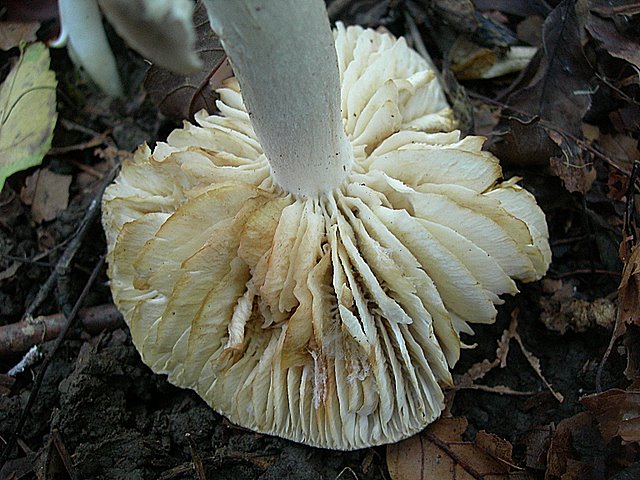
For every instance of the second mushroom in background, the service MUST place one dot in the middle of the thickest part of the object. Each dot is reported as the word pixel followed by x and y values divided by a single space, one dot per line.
pixel 307 259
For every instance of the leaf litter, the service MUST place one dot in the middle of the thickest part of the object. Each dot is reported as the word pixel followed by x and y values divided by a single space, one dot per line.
pixel 27 111
pixel 568 123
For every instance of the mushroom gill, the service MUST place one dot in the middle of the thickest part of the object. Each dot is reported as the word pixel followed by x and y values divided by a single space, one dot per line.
pixel 331 319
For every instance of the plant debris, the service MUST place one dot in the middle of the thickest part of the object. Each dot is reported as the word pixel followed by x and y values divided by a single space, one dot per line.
pixel 567 122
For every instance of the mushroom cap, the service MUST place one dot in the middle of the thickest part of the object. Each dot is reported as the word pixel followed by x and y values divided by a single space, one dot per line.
pixel 332 321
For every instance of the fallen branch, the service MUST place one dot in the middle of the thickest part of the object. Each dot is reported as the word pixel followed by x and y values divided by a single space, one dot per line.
pixel 20 337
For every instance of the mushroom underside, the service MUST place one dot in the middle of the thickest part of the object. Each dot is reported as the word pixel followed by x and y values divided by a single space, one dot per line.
pixel 329 320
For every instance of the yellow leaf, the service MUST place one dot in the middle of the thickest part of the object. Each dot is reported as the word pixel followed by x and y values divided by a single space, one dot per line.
pixel 27 112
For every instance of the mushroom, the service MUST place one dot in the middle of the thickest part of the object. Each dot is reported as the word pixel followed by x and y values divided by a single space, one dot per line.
pixel 307 259
pixel 83 33
pixel 161 30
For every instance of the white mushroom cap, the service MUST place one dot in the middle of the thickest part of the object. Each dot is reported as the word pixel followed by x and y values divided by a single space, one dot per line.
pixel 332 319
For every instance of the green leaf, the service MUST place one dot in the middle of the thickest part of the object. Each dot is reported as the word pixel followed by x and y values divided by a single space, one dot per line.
pixel 27 112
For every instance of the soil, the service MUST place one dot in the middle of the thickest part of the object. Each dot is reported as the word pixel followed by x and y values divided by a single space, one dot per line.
pixel 102 414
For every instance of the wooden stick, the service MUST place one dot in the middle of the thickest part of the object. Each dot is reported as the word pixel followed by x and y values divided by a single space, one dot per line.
pixel 21 336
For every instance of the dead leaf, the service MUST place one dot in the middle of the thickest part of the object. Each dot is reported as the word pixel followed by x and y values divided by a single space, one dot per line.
pixel 610 8
pixel 553 95
pixel 529 30
pixel 21 11
pixel 27 112
pixel 536 442
pixel 439 452
pixel 574 168
pixel 563 311
pixel 561 456
pixel 617 412
pixel 471 61
pixel 629 288
pixel 522 8
pixel 47 193
pixel 556 93
pixel 179 97
pixel 13 34
pixel 615 42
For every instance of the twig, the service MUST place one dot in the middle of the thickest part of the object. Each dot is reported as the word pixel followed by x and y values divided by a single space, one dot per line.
pixel 45 364
pixel 198 465
pixel 19 337
pixel 63 265
pixel 499 389
pixel 98 139
pixel 453 455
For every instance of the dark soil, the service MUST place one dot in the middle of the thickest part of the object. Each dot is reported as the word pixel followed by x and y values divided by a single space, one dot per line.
pixel 102 414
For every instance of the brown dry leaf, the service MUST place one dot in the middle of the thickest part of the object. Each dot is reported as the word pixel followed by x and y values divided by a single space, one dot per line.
pixel 478 370
pixel 556 93
pixel 536 443
pixel 628 292
pixel 521 8
pixel 440 453
pixel 13 34
pixel 553 96
pixel 47 193
pixel 529 30
pixel 560 459
pixel 574 167
pixel 576 177
pixel 470 61
pixel 614 41
pixel 179 97
pixel 617 412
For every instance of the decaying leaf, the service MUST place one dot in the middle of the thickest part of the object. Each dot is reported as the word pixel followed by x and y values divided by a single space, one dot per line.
pixel 47 193
pixel 548 107
pixel 180 96
pixel 536 443
pixel 615 42
pixel 557 90
pixel 563 311
pixel 562 459
pixel 13 34
pixel 440 452
pixel 27 112
pixel 574 167
pixel 617 412
pixel 629 289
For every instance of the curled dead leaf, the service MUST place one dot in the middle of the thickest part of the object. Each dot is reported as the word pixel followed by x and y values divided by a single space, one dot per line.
pixel 47 193
pixel 440 452
pixel 617 412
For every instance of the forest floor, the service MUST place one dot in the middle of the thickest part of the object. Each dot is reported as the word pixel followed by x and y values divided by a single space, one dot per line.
pixel 550 390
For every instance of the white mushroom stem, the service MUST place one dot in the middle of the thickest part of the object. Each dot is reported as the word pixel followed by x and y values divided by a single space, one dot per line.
pixel 284 57
pixel 82 29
